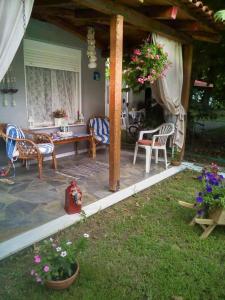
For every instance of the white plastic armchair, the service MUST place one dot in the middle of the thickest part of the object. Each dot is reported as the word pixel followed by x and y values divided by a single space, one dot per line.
pixel 158 142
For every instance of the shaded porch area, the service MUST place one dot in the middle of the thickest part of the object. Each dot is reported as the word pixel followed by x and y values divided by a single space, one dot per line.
pixel 31 202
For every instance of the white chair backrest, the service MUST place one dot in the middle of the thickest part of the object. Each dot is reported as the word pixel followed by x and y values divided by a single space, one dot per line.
pixel 167 129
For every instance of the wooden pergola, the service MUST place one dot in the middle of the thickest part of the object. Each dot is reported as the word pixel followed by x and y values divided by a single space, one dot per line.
pixel 120 26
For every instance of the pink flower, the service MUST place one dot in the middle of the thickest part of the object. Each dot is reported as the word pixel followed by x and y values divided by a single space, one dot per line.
pixel 141 80
pixel 32 272
pixel 46 268
pixel 38 279
pixel 37 259
pixel 137 52
pixel 134 58
pixel 153 71
pixel 157 57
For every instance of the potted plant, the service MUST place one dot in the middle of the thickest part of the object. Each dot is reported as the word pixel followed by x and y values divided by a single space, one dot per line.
pixel 148 63
pixel 55 263
pixel 59 116
pixel 210 201
pixel 176 157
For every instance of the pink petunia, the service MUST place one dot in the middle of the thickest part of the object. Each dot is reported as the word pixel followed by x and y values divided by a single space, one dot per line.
pixel 134 58
pixel 38 279
pixel 37 259
pixel 157 57
pixel 46 268
pixel 137 52
pixel 32 272
pixel 141 80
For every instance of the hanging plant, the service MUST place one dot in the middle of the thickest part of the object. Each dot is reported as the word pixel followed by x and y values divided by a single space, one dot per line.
pixel 147 64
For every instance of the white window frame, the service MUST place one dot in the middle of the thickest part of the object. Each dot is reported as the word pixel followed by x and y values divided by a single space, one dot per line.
pixel 51 56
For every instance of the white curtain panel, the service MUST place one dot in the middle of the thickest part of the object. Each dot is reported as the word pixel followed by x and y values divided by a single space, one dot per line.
pixel 49 90
pixel 11 29
pixel 168 89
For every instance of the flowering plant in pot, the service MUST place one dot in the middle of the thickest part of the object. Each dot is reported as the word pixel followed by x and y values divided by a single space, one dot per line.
pixel 55 263
pixel 212 194
pixel 148 63
pixel 176 156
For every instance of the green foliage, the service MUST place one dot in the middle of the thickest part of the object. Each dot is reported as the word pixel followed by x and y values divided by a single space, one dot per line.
pixel 208 65
pixel 55 260
pixel 146 65
pixel 220 15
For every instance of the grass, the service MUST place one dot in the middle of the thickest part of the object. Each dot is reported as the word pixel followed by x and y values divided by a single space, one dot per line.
pixel 141 248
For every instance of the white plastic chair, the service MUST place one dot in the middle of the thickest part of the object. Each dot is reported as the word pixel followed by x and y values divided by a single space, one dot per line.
pixel 158 142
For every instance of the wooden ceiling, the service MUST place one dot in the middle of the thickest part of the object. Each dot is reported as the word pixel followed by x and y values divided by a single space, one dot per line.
pixel 182 20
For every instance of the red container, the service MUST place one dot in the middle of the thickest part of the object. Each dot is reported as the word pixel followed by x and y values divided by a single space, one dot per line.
pixel 73 198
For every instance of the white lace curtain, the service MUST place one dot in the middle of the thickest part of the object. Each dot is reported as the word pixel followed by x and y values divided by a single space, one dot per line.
pixel 48 90
pixel 168 89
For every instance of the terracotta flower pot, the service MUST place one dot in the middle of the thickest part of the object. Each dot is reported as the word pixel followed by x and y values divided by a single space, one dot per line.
pixel 63 284
pixel 175 162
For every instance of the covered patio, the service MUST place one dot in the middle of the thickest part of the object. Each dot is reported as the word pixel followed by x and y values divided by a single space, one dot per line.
pixel 31 202
pixel 119 26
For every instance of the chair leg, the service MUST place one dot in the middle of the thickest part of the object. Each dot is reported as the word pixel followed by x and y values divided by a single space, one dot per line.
pixel 135 153
pixel 165 157
pixel 40 160
pixel 54 161
pixel 148 159
pixel 156 156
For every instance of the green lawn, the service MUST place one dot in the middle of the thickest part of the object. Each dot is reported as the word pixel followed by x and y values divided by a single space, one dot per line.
pixel 139 249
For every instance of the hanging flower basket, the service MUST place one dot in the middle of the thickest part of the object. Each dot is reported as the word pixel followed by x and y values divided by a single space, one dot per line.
pixel 147 64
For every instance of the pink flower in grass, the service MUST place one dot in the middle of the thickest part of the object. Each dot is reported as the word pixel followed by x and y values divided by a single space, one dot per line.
pixel 46 268
pixel 137 52
pixel 32 272
pixel 38 279
pixel 157 57
pixel 134 58
pixel 37 259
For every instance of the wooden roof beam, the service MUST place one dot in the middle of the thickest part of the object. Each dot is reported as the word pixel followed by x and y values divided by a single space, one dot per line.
pixel 51 3
pixel 206 37
pixel 135 18
pixel 161 12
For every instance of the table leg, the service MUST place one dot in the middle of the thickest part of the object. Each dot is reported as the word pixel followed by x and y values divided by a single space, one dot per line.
pixel 92 148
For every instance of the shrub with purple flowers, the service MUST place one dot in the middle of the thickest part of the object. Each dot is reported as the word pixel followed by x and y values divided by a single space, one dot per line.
pixel 55 260
pixel 147 64
pixel 212 195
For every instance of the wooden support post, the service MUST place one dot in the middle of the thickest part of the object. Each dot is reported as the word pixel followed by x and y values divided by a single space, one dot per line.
pixel 187 68
pixel 115 95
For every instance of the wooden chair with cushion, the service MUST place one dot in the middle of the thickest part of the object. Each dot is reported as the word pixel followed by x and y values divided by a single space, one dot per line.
pixel 158 142
pixel 27 145
pixel 99 128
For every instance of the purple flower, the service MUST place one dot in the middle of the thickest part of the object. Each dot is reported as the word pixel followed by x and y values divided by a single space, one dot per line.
pixel 221 177
pixel 200 178
pixel 200 212
pixel 208 189
pixel 199 199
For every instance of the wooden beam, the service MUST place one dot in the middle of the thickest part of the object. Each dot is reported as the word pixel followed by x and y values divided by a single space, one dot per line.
pixel 161 12
pixel 207 37
pixel 187 69
pixel 115 87
pixel 50 3
pixel 135 18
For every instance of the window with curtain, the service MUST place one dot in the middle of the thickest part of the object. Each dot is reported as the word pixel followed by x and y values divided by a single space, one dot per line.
pixel 53 81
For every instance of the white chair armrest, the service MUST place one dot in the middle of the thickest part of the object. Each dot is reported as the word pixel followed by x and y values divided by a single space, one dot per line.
pixel 141 133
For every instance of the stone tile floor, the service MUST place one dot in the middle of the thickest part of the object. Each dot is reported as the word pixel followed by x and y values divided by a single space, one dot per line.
pixel 31 202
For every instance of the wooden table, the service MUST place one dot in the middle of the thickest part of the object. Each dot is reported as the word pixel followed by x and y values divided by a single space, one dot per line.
pixel 78 138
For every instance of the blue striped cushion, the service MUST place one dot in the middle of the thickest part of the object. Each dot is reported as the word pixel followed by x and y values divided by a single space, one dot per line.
pixel 101 129
pixel 13 131
pixel 46 148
